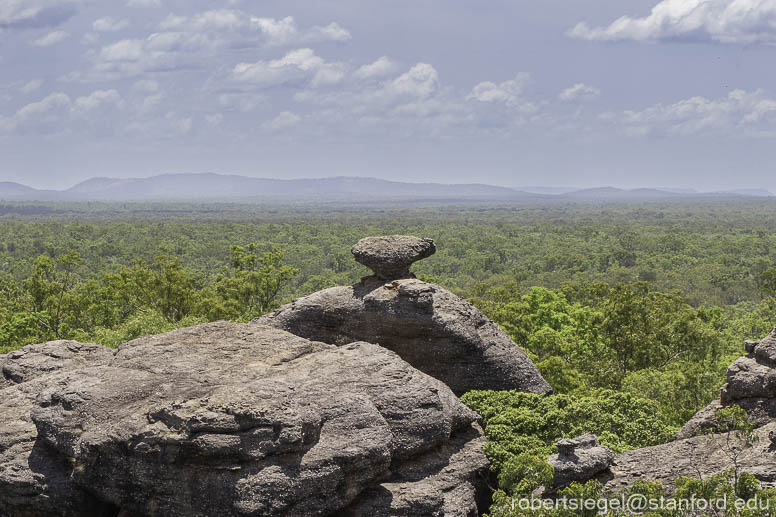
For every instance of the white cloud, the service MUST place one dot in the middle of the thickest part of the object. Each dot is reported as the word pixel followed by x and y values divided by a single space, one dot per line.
pixel 740 113
pixel 251 30
pixel 52 38
pixel 381 68
pixel 508 92
pixel 579 91
pixel 31 86
pixel 96 100
pixel 188 42
pixel 723 21
pixel 31 14
pixel 301 65
pixel 285 32
pixel 420 81
pixel 144 3
pixel 58 112
pixel 108 24
pixel 283 121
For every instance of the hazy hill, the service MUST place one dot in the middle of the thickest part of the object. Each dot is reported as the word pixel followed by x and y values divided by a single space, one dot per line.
pixel 217 187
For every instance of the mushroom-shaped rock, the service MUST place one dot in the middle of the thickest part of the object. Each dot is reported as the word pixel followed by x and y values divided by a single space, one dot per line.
pixel 579 459
pixel 391 256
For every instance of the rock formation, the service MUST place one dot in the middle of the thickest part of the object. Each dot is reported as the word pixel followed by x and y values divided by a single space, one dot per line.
pixel 231 419
pixel 700 455
pixel 429 327
pixel 751 384
pixel 579 459
pixel 391 256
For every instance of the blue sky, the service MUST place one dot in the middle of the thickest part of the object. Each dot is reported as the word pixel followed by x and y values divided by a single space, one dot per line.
pixel 629 93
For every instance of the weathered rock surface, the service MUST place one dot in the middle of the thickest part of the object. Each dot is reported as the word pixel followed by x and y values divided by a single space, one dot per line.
pixel 429 327
pixel 35 360
pixel 579 459
pixel 391 256
pixel 230 419
pixel 445 482
pixel 700 455
pixel 34 480
pixel 751 384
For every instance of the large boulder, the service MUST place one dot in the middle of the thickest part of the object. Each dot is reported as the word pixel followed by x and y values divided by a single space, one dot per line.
pixel 434 330
pixel 751 384
pixel 230 419
pixel 429 327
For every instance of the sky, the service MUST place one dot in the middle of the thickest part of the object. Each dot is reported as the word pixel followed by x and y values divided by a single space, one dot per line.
pixel 625 93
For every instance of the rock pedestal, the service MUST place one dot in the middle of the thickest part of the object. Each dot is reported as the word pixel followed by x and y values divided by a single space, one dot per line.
pixel 579 460
pixel 434 330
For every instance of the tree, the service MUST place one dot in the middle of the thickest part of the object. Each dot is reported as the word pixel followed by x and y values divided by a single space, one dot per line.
pixel 255 281
pixel 51 289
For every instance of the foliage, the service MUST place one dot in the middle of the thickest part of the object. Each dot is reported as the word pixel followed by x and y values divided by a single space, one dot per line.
pixel 523 427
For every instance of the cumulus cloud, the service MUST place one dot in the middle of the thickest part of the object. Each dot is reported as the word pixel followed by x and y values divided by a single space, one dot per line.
pixel 510 93
pixel 186 42
pixel 301 65
pixel 579 91
pixel 108 24
pixel 740 113
pixel 50 39
pixel 58 111
pixel 722 21
pixel 420 81
pixel 285 32
pixel 285 120
pixel 381 68
pixel 33 14
pixel 248 28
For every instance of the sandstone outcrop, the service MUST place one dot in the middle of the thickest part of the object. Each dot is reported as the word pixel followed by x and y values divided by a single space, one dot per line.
pixel 579 460
pixel 231 419
pixel 751 384
pixel 434 330
pixel 698 456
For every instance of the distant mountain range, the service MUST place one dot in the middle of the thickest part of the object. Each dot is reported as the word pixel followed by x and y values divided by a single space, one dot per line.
pixel 217 187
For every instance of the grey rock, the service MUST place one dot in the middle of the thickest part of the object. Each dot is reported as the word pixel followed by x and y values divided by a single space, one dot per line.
pixel 700 455
pixel 3 381
pixel 33 361
pixel 765 350
pixel 761 411
pixel 703 421
pixel 34 480
pixel 450 481
pixel 748 378
pixel 429 327
pixel 391 256
pixel 230 419
pixel 580 459
pixel 751 384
